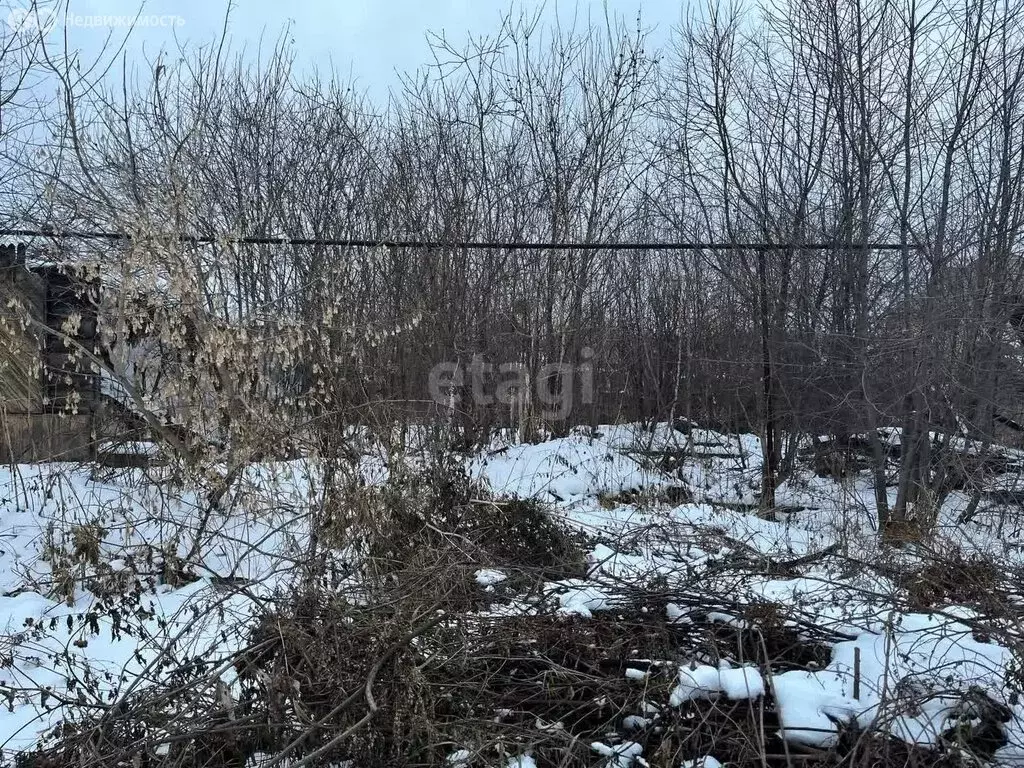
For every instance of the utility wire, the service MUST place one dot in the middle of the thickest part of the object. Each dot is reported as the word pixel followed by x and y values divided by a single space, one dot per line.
pixel 363 242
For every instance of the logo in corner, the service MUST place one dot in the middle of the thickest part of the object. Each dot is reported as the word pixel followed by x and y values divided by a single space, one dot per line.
pixel 30 20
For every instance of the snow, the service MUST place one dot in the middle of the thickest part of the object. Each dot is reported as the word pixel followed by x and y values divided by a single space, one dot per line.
pixel 936 657
pixel 1012 753
pixel 488 577
pixel 638 437
pixel 563 469
pixel 636 722
pixel 621 755
pixel 676 615
pixel 702 762
pixel 852 604
pixel 49 637
pixel 581 598
pixel 702 681
pixel 741 683
pixel 909 670
pixel 855 604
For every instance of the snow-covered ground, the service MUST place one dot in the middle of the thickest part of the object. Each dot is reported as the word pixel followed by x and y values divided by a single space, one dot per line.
pixel 108 579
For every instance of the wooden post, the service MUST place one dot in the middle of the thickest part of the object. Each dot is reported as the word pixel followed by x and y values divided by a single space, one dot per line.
pixel 856 672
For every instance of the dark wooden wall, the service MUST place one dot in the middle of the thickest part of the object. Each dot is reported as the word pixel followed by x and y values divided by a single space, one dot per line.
pixel 48 399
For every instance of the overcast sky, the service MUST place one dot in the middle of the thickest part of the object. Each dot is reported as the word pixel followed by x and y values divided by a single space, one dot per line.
pixel 372 39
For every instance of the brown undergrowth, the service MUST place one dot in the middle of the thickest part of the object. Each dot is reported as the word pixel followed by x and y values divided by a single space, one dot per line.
pixel 325 680
pixel 413 660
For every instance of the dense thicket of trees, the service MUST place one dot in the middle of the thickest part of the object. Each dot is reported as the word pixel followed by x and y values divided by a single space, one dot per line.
pixel 800 122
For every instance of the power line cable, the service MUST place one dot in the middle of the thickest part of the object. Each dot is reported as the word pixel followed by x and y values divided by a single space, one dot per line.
pixel 364 242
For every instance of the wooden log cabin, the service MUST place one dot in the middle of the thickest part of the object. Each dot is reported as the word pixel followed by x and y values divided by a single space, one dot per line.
pixel 48 399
